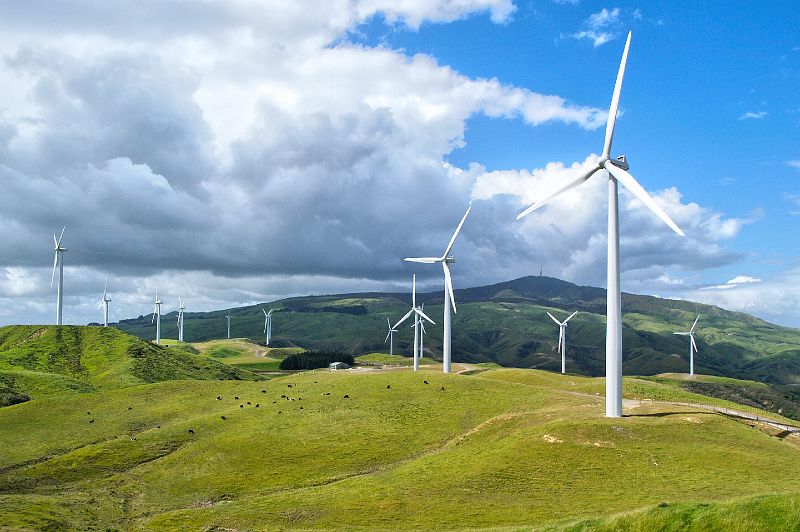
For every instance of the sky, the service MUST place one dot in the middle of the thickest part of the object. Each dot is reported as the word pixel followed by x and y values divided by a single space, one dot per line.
pixel 238 152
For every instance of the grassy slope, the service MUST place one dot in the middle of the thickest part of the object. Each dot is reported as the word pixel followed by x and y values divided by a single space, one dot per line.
pixel 241 353
pixel 508 324
pixel 50 361
pixel 505 448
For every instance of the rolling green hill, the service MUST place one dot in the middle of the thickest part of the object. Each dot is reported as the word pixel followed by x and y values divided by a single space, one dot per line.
pixel 504 449
pixel 43 361
pixel 507 323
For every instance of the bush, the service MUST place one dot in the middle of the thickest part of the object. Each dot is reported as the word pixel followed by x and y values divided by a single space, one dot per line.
pixel 314 360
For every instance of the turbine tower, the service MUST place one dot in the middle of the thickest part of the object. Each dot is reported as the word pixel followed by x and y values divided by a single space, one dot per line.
pixel 157 318
pixel 418 316
pixel 268 323
pixel 390 336
pixel 58 262
pixel 104 303
pixel 562 339
pixel 445 259
pixel 228 317
pixel 617 172
pixel 181 308
pixel 692 345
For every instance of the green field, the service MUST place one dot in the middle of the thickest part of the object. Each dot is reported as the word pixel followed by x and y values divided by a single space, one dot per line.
pixel 504 449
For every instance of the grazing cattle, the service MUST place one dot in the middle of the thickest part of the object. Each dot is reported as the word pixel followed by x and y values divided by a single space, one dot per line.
pixel 223 418
pixel 279 411
pixel 133 439
pixel 326 393
pixel 158 427
pixel 241 406
pixel 283 395
pixel 346 396
pixel 236 397
pixel 388 386
pixel 130 408
pixel 88 413
pixel 289 385
pixel 301 408
pixel 248 402
pixel 257 405
pixel 442 388
pixel 263 391
pixel 219 398
pixel 274 402
pixel 91 421
pixel 191 431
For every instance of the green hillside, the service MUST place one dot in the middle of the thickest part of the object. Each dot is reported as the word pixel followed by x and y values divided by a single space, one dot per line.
pixel 42 361
pixel 502 449
pixel 507 323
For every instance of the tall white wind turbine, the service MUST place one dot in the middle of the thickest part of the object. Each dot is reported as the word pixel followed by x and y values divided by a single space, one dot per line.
pixel 268 324
pixel 562 339
pixel 692 345
pixel 418 316
pixel 390 336
pixel 228 317
pixel 157 318
pixel 104 303
pixel 445 259
pixel 181 308
pixel 617 170
pixel 58 262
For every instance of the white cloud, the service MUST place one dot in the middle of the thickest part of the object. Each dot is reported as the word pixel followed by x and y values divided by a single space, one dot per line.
pixel 753 115
pixel 795 163
pixel 601 27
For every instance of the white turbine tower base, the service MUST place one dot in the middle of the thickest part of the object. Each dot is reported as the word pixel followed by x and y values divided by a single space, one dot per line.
pixel 692 345
pixel 418 316
pixel 445 259
pixel 617 171
pixel 562 339
pixel 157 318
pixel 104 303
pixel 181 308
pixel 58 262
pixel 228 317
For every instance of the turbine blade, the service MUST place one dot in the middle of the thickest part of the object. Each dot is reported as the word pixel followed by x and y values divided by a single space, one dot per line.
pixel 55 263
pixel 455 234
pixel 105 290
pixel 560 337
pixel 58 244
pixel 554 319
pixel 424 260
pixel 631 184
pixel 404 318
pixel 612 111
pixel 422 326
pixel 449 283
pixel 693 343
pixel 387 337
pixel 693 324
pixel 681 333
pixel 570 316
pixel 99 305
pixel 388 323
pixel 558 190
pixel 414 290
pixel 423 315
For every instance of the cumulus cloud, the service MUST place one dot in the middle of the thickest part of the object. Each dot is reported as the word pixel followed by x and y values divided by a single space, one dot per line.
pixel 600 27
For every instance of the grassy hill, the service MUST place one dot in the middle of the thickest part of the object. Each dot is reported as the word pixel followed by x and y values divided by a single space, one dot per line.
pixel 501 449
pixel 43 361
pixel 507 323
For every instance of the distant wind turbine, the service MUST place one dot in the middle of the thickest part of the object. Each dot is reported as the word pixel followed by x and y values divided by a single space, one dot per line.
pixel 228 317
pixel 59 263
pixel 617 171
pixel 390 336
pixel 445 259
pixel 157 318
pixel 692 345
pixel 268 323
pixel 104 303
pixel 181 308
pixel 418 315
pixel 562 339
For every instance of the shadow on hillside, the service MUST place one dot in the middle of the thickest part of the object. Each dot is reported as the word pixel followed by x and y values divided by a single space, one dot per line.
pixel 662 414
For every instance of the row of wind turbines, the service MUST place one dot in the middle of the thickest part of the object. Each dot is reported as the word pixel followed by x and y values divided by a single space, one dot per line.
pixel 616 171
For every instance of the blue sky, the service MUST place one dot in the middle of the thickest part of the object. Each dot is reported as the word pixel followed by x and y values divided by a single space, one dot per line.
pixel 249 151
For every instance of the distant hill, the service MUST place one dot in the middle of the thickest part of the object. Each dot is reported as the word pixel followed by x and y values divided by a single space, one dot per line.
pixel 42 361
pixel 507 323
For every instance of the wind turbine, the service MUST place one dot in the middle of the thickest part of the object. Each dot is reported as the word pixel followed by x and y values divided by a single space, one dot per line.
pixel 181 308
pixel 692 345
pixel 157 318
pixel 59 262
pixel 617 171
pixel 268 323
pixel 104 303
pixel 562 339
pixel 445 259
pixel 228 317
pixel 418 315
pixel 390 336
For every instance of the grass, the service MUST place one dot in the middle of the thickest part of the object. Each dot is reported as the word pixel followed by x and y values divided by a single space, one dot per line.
pixel 392 360
pixel 241 353
pixel 501 449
